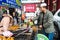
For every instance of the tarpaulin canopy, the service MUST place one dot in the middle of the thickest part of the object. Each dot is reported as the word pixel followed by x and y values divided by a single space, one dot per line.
pixel 11 3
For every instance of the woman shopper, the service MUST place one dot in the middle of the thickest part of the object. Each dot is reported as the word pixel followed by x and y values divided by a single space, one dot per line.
pixel 5 22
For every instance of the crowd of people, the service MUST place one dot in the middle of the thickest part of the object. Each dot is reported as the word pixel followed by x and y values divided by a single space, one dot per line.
pixel 45 21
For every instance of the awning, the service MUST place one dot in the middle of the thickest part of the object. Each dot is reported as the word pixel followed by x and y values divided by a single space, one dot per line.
pixel 11 3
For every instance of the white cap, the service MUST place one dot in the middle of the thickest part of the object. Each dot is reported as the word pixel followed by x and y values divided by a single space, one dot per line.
pixel 43 4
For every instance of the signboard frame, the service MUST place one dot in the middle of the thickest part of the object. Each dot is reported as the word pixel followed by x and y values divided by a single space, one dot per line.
pixel 31 1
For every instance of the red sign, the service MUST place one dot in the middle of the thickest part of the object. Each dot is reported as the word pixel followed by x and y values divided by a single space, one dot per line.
pixel 30 7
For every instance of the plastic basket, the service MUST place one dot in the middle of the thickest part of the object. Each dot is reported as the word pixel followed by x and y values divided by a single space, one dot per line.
pixel 41 37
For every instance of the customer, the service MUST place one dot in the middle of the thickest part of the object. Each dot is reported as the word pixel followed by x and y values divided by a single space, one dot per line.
pixel 46 21
pixel 5 22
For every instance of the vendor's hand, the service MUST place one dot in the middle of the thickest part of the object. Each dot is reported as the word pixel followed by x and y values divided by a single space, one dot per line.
pixel 40 26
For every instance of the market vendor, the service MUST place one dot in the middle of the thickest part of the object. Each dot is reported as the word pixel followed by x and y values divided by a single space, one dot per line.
pixel 45 21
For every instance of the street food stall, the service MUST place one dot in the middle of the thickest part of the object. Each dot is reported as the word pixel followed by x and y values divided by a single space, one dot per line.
pixel 26 30
pixel 23 32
